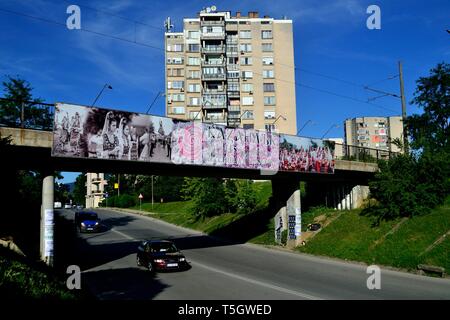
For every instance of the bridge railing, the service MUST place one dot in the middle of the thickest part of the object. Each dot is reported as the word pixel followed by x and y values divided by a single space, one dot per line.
pixel 35 115
pixel 362 154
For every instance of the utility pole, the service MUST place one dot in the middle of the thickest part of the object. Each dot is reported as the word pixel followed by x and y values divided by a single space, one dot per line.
pixel 152 192
pixel 402 96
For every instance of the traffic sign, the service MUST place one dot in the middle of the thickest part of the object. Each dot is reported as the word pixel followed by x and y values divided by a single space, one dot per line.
pixel 141 196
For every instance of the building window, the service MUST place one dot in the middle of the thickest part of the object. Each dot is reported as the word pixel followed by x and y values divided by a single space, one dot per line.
pixel 266 34
pixel 248 126
pixel 245 34
pixel 175 61
pixel 175 47
pixel 247 114
pixel 269 87
pixel 193 61
pixel 195 115
pixel 269 101
pixel 247 87
pixel 193 47
pixel 245 47
pixel 175 84
pixel 269 127
pixel 267 60
pixel 266 47
pixel 194 101
pixel 247 101
pixel 193 34
pixel 233 86
pixel 175 72
pixel 178 97
pixel 247 74
pixel 268 74
pixel 246 61
pixel 178 110
pixel 193 87
pixel 194 74
pixel 269 114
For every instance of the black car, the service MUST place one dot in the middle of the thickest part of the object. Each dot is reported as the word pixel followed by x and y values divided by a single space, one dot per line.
pixel 87 221
pixel 160 255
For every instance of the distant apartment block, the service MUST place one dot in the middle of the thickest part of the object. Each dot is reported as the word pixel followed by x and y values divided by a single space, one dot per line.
pixel 227 69
pixel 374 132
pixel 95 189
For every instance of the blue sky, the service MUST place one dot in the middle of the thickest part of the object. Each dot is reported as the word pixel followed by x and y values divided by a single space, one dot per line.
pixel 330 38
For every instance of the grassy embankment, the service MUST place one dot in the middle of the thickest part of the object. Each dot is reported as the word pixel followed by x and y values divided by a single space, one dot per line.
pixel 230 225
pixel 21 278
pixel 401 243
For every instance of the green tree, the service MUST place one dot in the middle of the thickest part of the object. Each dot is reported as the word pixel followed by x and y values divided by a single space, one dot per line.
pixel 18 93
pixel 430 131
pixel 79 190
pixel 207 195
pixel 412 184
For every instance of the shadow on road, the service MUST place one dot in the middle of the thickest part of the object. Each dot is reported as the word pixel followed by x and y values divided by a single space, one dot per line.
pixel 126 283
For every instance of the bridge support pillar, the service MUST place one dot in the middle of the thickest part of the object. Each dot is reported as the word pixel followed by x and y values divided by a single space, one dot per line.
pixel 47 219
pixel 286 202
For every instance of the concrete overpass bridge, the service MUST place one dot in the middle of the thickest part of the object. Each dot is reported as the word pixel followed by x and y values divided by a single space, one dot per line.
pixel 35 150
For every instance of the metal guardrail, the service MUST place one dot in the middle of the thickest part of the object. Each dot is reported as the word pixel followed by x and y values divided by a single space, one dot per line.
pixel 362 154
pixel 26 114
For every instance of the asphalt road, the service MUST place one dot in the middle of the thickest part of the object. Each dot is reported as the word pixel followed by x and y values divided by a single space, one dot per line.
pixel 226 271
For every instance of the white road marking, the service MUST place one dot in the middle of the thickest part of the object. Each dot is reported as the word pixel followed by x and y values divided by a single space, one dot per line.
pixel 260 283
pixel 123 235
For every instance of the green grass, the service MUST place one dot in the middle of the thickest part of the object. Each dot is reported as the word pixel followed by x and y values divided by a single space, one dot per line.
pixel 352 236
pixel 167 207
pixel 228 224
pixel 22 279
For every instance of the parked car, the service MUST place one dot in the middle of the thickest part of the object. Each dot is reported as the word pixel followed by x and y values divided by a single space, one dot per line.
pixel 87 221
pixel 160 255
pixel 67 206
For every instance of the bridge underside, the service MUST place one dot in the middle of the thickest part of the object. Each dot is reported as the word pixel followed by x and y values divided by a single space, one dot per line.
pixel 32 158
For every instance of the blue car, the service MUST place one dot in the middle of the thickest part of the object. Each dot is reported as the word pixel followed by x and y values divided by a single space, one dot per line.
pixel 87 221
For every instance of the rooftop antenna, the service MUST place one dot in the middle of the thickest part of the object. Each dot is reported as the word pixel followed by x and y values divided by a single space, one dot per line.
pixel 168 24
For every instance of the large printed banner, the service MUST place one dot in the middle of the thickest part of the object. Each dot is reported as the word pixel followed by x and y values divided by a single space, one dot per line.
pixel 87 132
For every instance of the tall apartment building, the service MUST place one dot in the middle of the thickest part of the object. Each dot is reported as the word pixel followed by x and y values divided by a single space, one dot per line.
pixel 374 132
pixel 95 189
pixel 225 69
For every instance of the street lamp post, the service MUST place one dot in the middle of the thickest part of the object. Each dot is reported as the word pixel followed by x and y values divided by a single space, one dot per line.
pixel 306 123
pixel 160 94
pixel 101 91
pixel 332 126
pixel 273 123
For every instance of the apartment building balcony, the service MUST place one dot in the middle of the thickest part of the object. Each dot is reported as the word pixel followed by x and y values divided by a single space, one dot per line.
pixel 206 63
pixel 232 67
pixel 212 35
pixel 232 51
pixel 234 108
pixel 213 76
pixel 213 92
pixel 212 23
pixel 97 193
pixel 232 40
pixel 233 93
pixel 213 49
pixel 217 120
pixel 234 116
pixel 214 105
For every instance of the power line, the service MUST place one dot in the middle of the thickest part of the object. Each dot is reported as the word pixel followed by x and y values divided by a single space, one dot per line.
pixel 112 14
pixel 82 29
pixel 183 56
